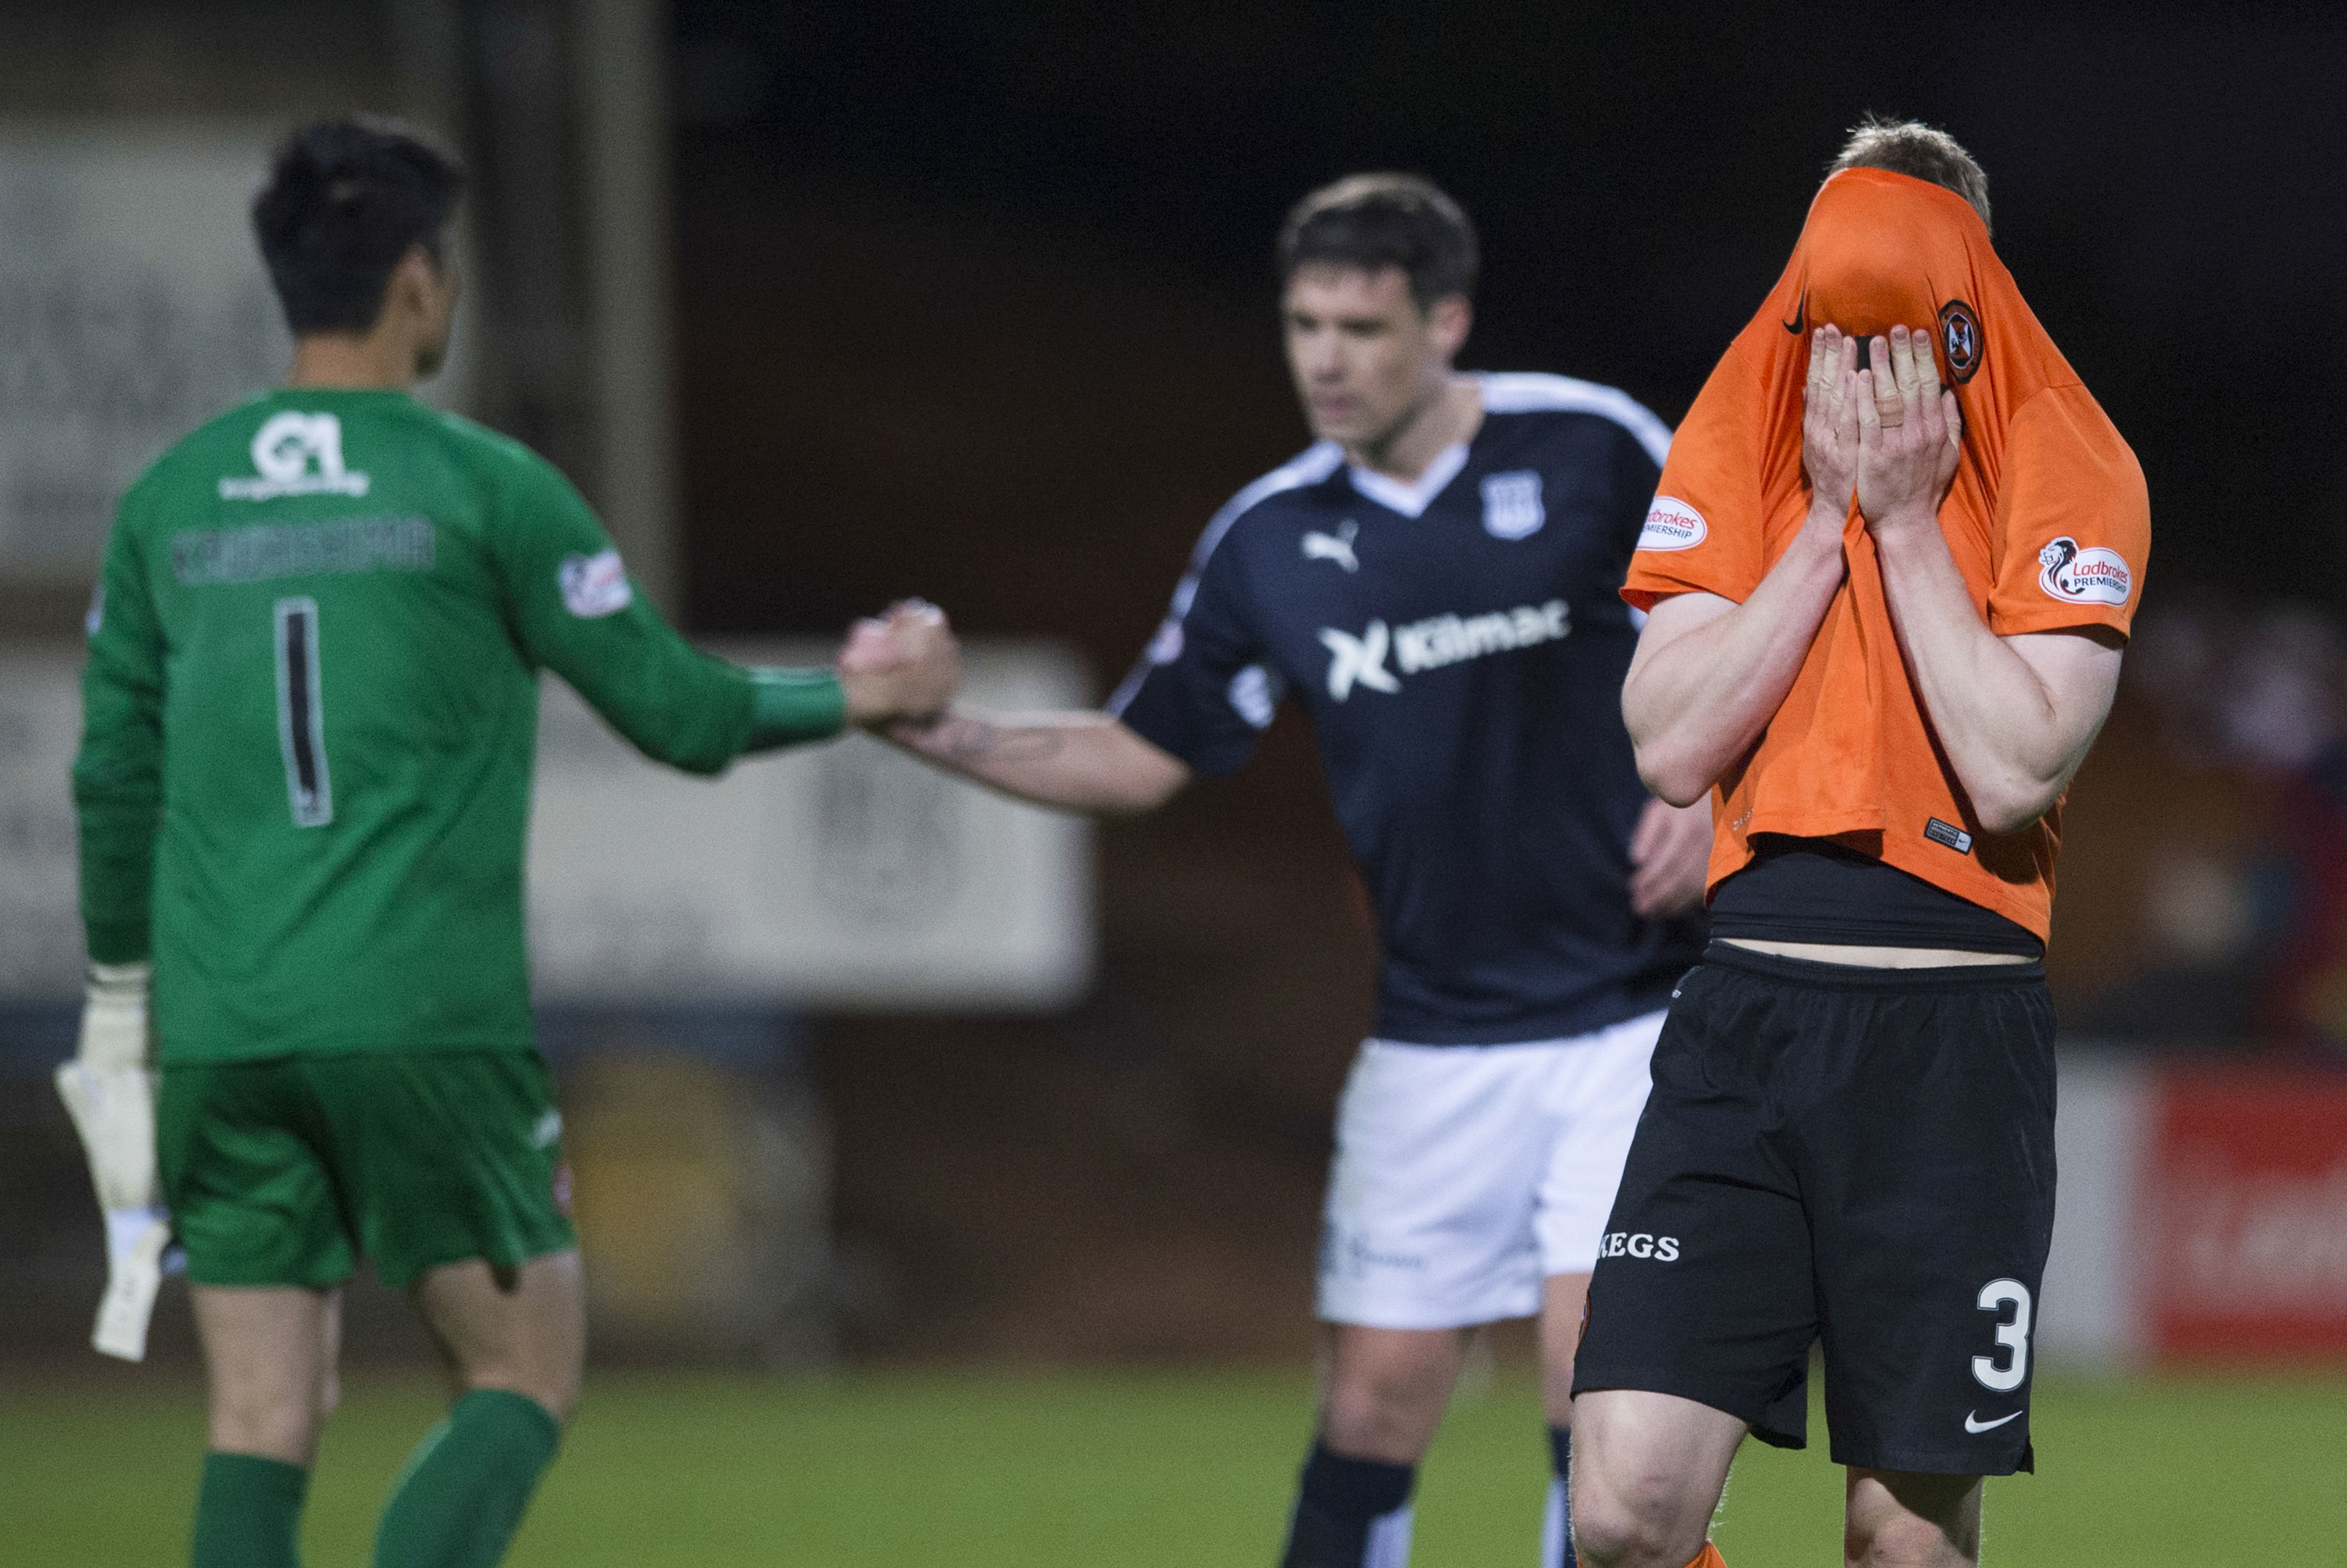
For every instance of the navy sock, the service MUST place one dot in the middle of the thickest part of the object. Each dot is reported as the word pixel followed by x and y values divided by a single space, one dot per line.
pixel 1556 1529
pixel 1350 1513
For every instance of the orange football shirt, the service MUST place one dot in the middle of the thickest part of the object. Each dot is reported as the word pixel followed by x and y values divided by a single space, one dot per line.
pixel 2048 520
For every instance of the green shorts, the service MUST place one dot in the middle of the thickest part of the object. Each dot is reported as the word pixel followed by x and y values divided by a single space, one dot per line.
pixel 287 1172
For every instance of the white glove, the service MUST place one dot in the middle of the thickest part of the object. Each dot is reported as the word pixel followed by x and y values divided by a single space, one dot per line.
pixel 110 1093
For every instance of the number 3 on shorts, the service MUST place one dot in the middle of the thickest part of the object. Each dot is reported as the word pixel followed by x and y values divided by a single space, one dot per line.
pixel 300 719
pixel 1996 1297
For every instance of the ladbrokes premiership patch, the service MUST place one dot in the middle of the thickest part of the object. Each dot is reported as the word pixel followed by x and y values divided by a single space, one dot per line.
pixel 1672 525
pixel 2092 576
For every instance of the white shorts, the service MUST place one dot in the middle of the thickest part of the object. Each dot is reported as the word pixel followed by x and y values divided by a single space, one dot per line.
pixel 1465 1175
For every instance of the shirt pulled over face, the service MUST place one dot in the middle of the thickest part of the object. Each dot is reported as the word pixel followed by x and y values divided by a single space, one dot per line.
pixel 2047 519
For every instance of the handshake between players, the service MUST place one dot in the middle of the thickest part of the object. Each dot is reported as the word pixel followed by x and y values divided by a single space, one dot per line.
pixel 900 669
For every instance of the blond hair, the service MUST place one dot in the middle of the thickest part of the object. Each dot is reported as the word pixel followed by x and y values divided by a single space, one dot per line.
pixel 1912 148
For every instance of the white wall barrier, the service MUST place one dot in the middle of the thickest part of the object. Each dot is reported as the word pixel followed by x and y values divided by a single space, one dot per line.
pixel 2089 1313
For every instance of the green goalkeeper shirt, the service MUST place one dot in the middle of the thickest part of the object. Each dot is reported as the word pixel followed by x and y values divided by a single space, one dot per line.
pixel 311 713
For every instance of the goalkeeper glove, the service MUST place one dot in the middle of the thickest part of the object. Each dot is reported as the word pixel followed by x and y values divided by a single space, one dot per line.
pixel 110 1090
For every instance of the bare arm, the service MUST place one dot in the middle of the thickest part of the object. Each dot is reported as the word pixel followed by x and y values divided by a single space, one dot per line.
pixel 2014 715
pixel 1086 762
pixel 1709 673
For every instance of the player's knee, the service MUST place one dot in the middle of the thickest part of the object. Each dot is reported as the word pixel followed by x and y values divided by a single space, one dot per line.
pixel 1896 1520
pixel 1634 1521
pixel 1370 1430
pixel 1905 1540
pixel 545 1367
pixel 1609 1535
pixel 275 1424
pixel 1378 1415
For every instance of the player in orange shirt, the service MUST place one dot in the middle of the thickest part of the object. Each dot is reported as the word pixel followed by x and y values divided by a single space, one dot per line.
pixel 1886 618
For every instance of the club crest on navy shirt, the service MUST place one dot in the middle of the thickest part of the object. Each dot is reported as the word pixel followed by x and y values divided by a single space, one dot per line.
pixel 1511 504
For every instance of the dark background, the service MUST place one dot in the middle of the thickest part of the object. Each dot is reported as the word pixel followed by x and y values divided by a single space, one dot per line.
pixel 1041 233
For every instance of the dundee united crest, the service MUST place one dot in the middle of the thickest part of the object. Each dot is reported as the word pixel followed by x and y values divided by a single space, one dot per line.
pixel 1960 339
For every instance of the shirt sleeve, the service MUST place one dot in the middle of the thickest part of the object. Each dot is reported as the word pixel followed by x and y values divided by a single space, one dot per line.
pixel 574 611
pixel 1204 690
pixel 118 774
pixel 2072 520
pixel 1702 531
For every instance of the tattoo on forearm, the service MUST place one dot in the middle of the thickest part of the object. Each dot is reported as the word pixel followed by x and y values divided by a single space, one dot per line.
pixel 974 739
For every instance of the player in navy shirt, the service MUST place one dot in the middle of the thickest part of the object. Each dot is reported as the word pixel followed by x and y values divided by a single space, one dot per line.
pixel 1460 647
pixel 1436 581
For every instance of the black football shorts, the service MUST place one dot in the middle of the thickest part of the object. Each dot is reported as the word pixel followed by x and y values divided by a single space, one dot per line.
pixel 1858 1156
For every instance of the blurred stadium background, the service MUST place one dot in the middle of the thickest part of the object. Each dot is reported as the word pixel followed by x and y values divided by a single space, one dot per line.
pixel 949 1173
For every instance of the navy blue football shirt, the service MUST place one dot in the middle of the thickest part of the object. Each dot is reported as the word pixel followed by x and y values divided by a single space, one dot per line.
pixel 1460 648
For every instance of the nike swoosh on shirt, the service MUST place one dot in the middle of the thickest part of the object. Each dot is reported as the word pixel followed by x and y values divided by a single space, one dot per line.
pixel 1801 315
pixel 1972 1424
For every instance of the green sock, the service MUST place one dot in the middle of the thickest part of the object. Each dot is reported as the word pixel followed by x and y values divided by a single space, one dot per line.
pixel 457 1503
pixel 249 1513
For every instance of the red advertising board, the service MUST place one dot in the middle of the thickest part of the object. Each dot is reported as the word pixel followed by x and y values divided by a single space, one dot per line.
pixel 2245 1209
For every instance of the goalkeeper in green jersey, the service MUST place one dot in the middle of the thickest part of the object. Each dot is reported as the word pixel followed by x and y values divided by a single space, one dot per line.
pixel 311 704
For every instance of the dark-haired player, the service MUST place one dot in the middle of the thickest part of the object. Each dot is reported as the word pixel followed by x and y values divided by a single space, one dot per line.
pixel 1435 580
pixel 1886 625
pixel 311 704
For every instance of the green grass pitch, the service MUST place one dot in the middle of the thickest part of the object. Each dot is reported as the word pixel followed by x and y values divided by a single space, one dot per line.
pixel 1164 1470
